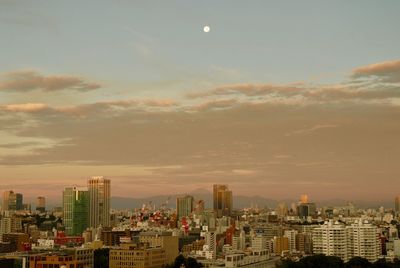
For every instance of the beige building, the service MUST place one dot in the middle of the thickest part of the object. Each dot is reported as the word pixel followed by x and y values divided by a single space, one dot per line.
pixel 99 201
pixel 281 244
pixel 137 256
pixel 71 258
pixel 168 242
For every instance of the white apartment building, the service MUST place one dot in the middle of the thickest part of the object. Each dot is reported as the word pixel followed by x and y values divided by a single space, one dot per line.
pixel 359 239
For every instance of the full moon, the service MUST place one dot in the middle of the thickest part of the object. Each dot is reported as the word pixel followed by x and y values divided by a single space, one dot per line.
pixel 206 29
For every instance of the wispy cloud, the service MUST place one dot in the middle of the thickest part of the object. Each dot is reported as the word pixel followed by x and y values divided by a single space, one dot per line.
pixel 23 81
pixel 388 71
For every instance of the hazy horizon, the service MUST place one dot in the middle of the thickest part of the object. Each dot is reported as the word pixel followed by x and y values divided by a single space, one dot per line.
pixel 277 99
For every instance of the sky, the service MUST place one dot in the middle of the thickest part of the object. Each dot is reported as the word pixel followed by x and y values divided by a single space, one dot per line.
pixel 280 98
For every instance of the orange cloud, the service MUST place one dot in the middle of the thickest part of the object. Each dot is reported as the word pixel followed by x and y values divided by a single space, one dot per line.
pixel 25 107
pixel 388 71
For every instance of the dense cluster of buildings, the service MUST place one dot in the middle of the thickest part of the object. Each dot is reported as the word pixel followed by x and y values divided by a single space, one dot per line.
pixel 86 230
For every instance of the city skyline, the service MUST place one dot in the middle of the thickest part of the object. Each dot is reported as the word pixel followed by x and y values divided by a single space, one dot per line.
pixel 276 100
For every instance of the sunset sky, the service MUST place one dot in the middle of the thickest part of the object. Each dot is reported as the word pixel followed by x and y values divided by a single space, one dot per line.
pixel 280 98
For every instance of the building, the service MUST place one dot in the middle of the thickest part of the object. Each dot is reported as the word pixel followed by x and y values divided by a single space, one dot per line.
pixel 305 208
pixel 69 258
pixel 11 224
pixel 331 239
pixel 304 243
pixel 16 240
pixel 291 235
pixel 223 200
pixel 99 201
pixel 76 210
pixel 184 206
pixel 41 204
pixel 359 239
pixel 364 240
pixel 138 256
pixel 168 242
pixel 12 201
pixel 281 244
pixel 397 205
pixel 259 242
pixel 199 207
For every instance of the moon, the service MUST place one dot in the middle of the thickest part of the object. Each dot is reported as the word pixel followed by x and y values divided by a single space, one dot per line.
pixel 206 29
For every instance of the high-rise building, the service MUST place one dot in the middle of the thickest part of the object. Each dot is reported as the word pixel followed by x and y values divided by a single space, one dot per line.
pixel 12 201
pixel 291 235
pixel 76 210
pixel 99 201
pixel 41 203
pixel 359 239
pixel 365 240
pixel 223 201
pixel 305 208
pixel 397 205
pixel 184 206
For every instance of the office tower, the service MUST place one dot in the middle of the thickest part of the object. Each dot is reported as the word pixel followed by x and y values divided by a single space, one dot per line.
pixel 223 201
pixel 184 206
pixel 12 201
pixel 397 205
pixel 99 201
pixel 75 210
pixel 41 204
pixel 19 202
pixel 305 208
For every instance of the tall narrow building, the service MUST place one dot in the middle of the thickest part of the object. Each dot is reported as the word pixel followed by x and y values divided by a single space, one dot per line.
pixel 41 203
pixel 12 201
pixel 76 210
pixel 223 201
pixel 397 205
pixel 184 205
pixel 99 201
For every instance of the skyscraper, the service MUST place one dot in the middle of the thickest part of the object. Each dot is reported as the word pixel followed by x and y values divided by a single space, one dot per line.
pixel 99 201
pixel 12 201
pixel 397 205
pixel 305 208
pixel 76 210
pixel 223 201
pixel 184 205
pixel 41 203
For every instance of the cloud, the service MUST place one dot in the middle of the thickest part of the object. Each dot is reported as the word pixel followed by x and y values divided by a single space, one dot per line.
pixel 19 144
pixel 311 129
pixel 215 104
pixel 23 81
pixel 388 71
pixel 25 107
pixel 248 90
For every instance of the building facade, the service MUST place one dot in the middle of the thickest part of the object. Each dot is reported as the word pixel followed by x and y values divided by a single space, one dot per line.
pixel 76 210
pixel 99 201
pixel 184 206
pixel 222 200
